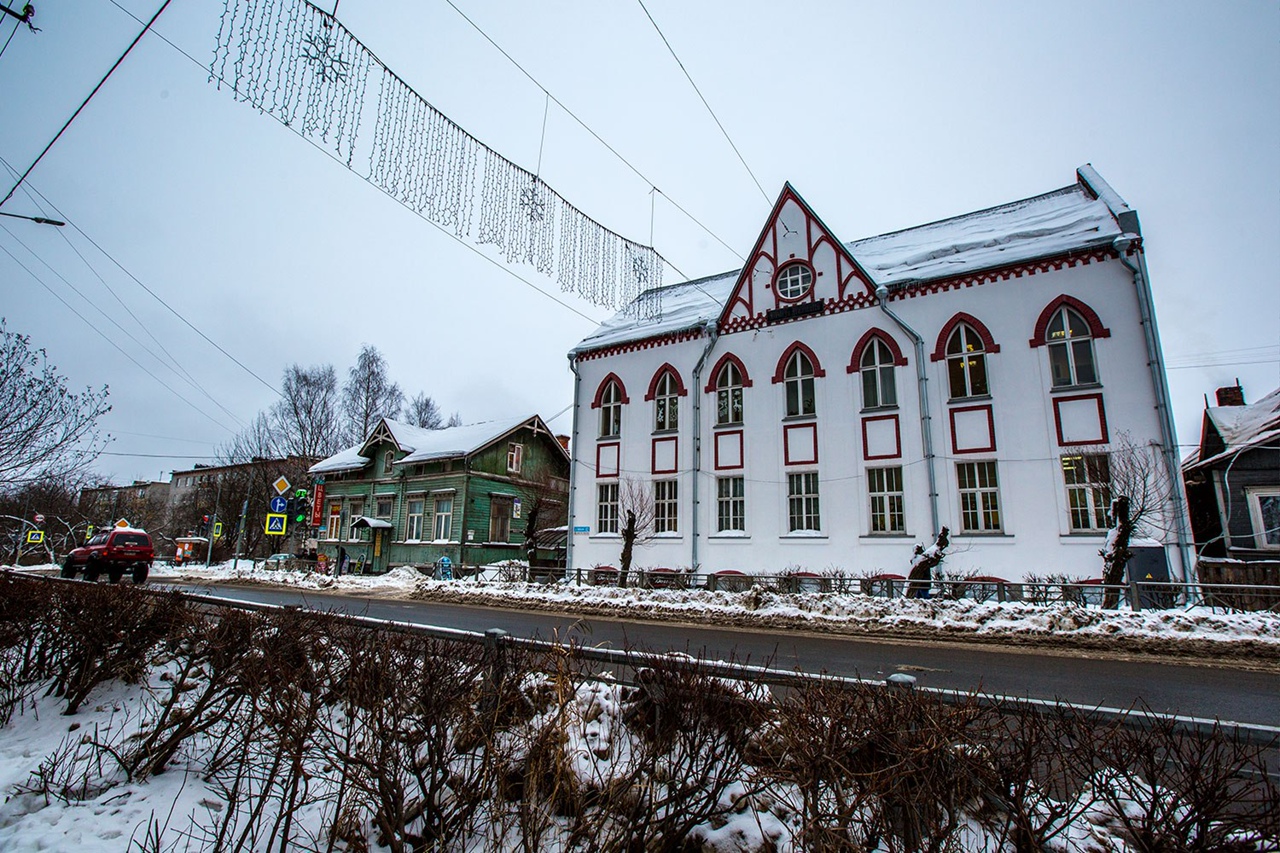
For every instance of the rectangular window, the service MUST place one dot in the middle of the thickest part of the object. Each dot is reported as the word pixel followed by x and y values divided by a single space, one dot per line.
pixel 500 511
pixel 334 529
pixel 731 504
pixel 515 458
pixel 666 506
pixel 1088 480
pixel 442 521
pixel 802 502
pixel 382 507
pixel 355 509
pixel 884 490
pixel 607 508
pixel 979 497
pixel 1264 507
pixel 413 521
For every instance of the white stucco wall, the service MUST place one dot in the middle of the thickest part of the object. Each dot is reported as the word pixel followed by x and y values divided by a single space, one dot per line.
pixel 1036 536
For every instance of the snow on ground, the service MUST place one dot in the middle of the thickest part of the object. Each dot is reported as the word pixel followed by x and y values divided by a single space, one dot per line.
pixel 833 612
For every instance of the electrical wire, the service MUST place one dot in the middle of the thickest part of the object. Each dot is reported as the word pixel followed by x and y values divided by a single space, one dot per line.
pixel 595 135
pixel 688 77
pixel 86 101
pixel 12 33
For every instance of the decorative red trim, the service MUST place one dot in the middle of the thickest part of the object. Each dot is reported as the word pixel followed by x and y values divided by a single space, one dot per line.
pixel 858 301
pixel 1102 420
pixel 1091 319
pixel 813 280
pixel 779 375
pixel 612 377
pixel 855 363
pixel 991 429
pixel 742 450
pixel 786 444
pixel 989 344
pixel 653 383
pixel 600 447
pixel 675 456
pixel 715 371
pixel 897 437
pixel 641 344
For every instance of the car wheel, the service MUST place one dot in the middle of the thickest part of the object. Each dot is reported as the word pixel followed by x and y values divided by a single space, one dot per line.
pixel 140 573
pixel 68 568
pixel 91 571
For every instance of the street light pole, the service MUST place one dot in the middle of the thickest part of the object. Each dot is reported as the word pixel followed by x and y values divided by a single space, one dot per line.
pixel 208 555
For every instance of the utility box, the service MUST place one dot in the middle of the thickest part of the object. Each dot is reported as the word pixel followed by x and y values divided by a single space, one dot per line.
pixel 1149 569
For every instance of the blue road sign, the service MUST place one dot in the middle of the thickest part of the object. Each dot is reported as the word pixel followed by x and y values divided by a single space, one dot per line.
pixel 278 504
pixel 276 524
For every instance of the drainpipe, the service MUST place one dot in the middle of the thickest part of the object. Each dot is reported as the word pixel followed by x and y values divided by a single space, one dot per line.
pixel 1159 382
pixel 697 440
pixel 926 421
pixel 573 467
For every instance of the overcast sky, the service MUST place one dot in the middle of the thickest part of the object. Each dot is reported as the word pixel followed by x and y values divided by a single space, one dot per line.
pixel 883 116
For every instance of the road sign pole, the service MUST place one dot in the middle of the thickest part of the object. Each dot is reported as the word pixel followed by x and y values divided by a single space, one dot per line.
pixel 208 554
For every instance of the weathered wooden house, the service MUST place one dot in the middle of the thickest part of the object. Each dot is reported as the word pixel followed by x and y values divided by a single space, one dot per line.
pixel 1233 478
pixel 411 496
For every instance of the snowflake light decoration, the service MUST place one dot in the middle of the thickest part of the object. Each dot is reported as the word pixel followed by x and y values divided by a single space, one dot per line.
pixel 322 52
pixel 531 200
pixel 640 269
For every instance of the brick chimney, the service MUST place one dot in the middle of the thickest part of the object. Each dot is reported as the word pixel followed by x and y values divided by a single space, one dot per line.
pixel 1231 395
pixel 564 439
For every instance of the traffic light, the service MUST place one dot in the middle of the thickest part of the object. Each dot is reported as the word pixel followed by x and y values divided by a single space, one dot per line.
pixel 204 525
pixel 301 511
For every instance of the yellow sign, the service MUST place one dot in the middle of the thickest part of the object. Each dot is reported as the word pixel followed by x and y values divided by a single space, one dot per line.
pixel 281 486
pixel 35 537
pixel 124 522
pixel 277 524
pixel 217 530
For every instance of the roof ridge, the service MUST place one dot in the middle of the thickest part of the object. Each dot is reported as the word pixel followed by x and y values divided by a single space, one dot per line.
pixel 945 220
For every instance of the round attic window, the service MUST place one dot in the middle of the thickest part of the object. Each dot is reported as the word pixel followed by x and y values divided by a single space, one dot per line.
pixel 793 280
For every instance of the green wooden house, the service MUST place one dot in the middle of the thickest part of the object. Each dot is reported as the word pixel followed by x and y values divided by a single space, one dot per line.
pixel 409 496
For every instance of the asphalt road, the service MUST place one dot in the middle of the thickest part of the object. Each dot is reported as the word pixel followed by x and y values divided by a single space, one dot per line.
pixel 1178 688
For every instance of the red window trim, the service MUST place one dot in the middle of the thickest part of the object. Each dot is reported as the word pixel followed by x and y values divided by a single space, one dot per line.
pixel 794 262
pixel 604 383
pixel 780 374
pixel 681 391
pixel 855 363
pixel 1091 319
pixel 715 371
pixel 988 343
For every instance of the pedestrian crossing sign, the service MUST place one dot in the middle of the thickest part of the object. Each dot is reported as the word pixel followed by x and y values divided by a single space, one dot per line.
pixel 35 537
pixel 277 523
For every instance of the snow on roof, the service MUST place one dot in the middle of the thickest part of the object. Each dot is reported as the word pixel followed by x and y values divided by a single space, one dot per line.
pixel 680 307
pixel 1067 219
pixel 1064 220
pixel 422 444
pixel 1242 427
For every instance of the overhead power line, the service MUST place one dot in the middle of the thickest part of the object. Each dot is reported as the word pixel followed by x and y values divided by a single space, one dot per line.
pixel 86 101
pixel 716 118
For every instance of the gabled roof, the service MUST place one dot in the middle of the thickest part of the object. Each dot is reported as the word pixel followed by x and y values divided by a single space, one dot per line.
pixel 1238 428
pixel 422 445
pixel 1074 218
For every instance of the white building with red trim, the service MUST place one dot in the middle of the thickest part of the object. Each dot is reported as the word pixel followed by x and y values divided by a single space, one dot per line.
pixel 832 403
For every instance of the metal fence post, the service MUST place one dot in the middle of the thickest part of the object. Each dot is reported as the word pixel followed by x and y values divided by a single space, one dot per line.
pixel 1135 601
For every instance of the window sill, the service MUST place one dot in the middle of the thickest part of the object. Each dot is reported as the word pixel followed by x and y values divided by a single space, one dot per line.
pixel 982 534
pixel 672 431
pixel 980 398
pixel 609 437
pixel 732 425
pixel 731 536
pixel 499 544
pixel 1084 534
pixel 807 536
pixel 788 419
pixel 667 537
pixel 616 537
pixel 876 410
pixel 1066 389
pixel 892 536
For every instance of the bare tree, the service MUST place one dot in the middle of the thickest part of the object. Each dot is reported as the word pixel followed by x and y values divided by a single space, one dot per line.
pixel 369 395
pixel 45 430
pixel 924 561
pixel 257 440
pixel 423 412
pixel 636 511
pixel 546 508
pixel 1141 500
pixel 455 420
pixel 305 422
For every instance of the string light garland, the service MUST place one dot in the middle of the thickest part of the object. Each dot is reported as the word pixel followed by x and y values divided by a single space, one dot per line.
pixel 296 62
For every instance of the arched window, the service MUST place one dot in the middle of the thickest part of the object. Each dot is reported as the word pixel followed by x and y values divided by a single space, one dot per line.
pixel 878 389
pixel 966 363
pixel 799 382
pixel 729 395
pixel 666 402
pixel 610 410
pixel 1070 343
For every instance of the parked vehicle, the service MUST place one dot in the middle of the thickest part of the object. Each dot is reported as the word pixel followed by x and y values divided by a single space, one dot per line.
pixel 116 551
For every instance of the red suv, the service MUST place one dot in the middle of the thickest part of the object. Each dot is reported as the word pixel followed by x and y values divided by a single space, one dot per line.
pixel 115 552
